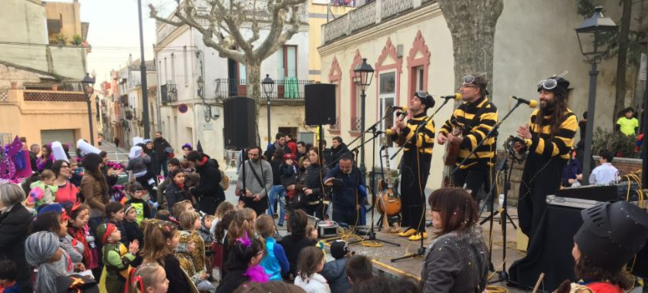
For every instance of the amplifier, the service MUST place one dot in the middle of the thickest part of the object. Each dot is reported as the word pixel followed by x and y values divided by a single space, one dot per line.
pixel 602 193
pixel 327 229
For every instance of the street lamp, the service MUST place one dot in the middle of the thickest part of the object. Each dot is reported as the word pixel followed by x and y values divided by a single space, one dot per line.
pixel 268 88
pixel 363 75
pixel 591 30
pixel 201 84
pixel 88 87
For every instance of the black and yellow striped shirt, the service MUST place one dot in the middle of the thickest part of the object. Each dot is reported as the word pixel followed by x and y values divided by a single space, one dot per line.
pixel 425 138
pixel 464 117
pixel 546 144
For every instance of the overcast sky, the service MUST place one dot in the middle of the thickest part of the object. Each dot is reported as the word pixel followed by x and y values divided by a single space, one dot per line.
pixel 114 33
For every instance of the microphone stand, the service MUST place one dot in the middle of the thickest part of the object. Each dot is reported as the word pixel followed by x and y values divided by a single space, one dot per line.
pixel 421 249
pixel 507 184
pixel 372 233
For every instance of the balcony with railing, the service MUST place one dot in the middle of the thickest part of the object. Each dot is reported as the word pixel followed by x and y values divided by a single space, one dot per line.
pixel 368 14
pixel 37 101
pixel 169 93
pixel 290 89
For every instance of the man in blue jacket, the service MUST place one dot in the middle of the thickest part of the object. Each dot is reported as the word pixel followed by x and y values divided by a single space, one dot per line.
pixel 347 196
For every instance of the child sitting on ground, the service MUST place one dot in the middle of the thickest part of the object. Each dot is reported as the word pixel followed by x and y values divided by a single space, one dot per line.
pixel 142 208
pixel 149 278
pixel 274 261
pixel 191 251
pixel 311 262
pixel 313 234
pixel 116 257
pixel 334 271
pixel 8 273
pixel 42 191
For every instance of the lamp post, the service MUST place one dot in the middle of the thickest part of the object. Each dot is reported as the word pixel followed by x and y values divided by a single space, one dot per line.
pixel 268 87
pixel 363 75
pixel 592 28
pixel 145 110
pixel 201 83
pixel 88 88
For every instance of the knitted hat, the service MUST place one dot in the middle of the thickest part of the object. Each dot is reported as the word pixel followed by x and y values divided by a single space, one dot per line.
pixel 425 98
pixel 612 234
pixel 288 156
pixel 54 208
pixel 187 146
pixel 339 249
pixel 104 231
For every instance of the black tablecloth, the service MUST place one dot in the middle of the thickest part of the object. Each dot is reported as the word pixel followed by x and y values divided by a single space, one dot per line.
pixel 550 251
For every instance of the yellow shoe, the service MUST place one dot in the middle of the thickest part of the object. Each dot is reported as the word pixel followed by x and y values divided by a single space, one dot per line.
pixel 409 232
pixel 417 236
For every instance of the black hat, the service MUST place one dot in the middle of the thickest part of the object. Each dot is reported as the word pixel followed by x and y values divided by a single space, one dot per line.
pixel 560 89
pixel 612 234
pixel 339 249
pixel 425 98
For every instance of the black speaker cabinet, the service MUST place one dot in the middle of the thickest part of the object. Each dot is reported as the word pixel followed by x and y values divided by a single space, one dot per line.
pixel 239 123
pixel 320 104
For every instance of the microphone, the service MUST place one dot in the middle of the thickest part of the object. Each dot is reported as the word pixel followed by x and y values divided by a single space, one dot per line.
pixel 402 108
pixel 401 115
pixel 532 103
pixel 455 97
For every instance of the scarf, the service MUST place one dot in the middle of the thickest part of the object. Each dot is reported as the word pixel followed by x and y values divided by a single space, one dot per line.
pixel 79 235
pixel 257 274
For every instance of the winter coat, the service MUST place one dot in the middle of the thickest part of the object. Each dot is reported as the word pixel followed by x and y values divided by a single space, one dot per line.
pixel 276 171
pixel 209 192
pixel 14 227
pixel 335 273
pixel 337 153
pixel 139 165
pixel 175 194
pixel 133 231
pixel 232 280
pixel 292 245
pixel 346 196
pixel 95 192
pixel 313 284
pixel 272 148
pixel 457 262
pixel 159 144
pixel 315 181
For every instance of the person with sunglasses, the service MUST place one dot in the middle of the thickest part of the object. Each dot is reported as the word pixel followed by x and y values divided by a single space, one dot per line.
pixel 548 137
pixel 467 127
pixel 415 163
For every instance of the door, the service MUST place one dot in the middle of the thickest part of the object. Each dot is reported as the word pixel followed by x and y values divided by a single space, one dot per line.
pixel 387 92
pixel 61 135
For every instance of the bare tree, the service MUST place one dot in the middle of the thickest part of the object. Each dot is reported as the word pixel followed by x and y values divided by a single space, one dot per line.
pixel 224 25
pixel 472 26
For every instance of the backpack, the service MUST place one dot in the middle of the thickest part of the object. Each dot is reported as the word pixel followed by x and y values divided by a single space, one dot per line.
pixel 224 183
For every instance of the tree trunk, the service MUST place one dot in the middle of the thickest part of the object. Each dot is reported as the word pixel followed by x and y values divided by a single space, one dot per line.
pixel 622 60
pixel 253 72
pixel 472 25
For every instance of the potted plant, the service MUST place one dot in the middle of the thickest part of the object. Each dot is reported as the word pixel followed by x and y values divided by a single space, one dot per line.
pixel 77 40
pixel 60 39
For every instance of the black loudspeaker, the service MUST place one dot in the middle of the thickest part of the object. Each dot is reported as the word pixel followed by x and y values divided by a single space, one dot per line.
pixel 239 123
pixel 320 104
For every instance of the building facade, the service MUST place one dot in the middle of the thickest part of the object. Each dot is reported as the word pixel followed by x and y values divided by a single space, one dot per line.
pixel 41 97
pixel 409 45
pixel 190 113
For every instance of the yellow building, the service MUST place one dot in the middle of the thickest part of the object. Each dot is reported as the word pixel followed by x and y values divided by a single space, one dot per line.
pixel 318 15
pixel 64 20
pixel 41 115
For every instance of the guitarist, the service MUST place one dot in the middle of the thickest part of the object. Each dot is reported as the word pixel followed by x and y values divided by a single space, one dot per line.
pixel 475 117
pixel 415 163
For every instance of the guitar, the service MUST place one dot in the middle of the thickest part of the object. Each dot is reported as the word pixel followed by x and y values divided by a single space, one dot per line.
pixel 389 203
pixel 452 154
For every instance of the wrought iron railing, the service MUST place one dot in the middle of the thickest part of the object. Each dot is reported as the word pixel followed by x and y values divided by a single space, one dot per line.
pixel 355 123
pixel 169 93
pixel 289 89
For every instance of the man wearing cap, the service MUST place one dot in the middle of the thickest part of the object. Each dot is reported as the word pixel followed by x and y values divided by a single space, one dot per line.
pixel 415 163
pixel 610 237
pixel 549 138
pixel 468 126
